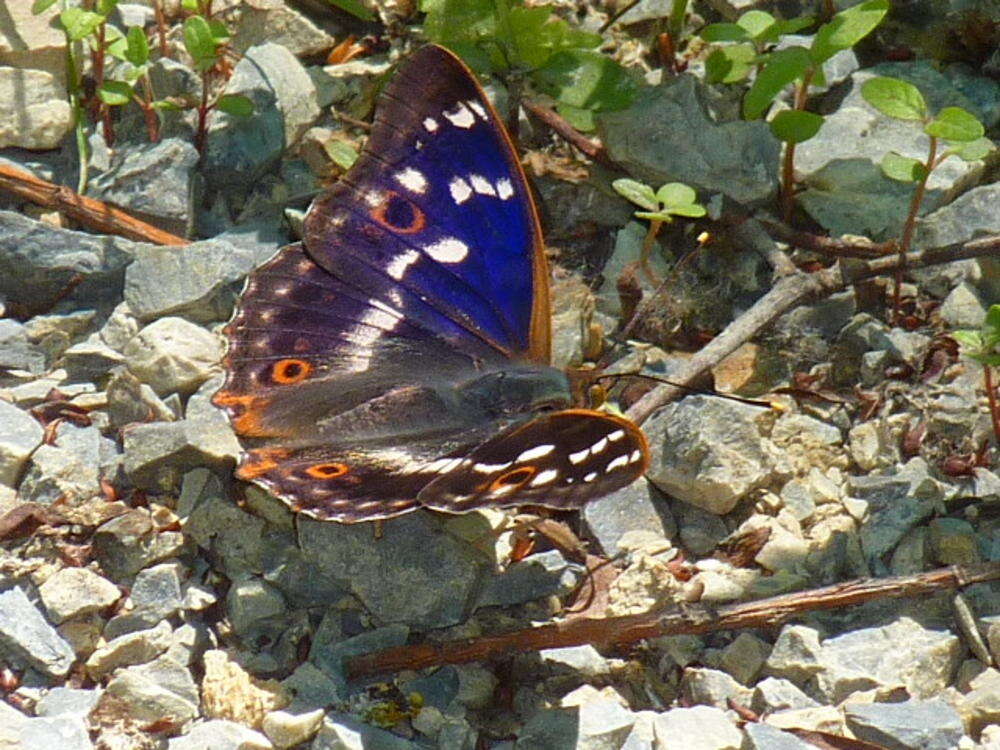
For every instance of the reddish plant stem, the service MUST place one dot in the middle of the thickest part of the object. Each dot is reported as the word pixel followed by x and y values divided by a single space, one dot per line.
pixel 991 396
pixel 161 26
pixel 788 165
pixel 149 112
pixel 910 226
pixel 103 111
pixel 203 110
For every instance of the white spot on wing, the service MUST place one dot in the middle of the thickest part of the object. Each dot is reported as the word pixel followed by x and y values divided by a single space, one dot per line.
pixel 412 179
pixel 448 250
pixel 430 124
pixel 504 188
pixel 590 477
pixel 616 436
pixel 544 477
pixel 398 265
pixel 579 456
pixel 491 468
pixel 599 446
pixel 377 320
pixel 621 460
pixel 461 116
pixel 481 185
pixel 537 452
pixel 460 190
pixel 636 456
pixel 477 108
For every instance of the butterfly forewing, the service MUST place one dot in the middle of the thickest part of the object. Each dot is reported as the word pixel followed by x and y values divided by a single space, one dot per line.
pixel 558 460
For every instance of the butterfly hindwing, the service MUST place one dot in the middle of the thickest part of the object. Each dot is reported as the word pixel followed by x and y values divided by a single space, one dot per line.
pixel 437 208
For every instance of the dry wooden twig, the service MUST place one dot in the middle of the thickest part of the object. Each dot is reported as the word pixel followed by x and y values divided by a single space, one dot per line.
pixel 92 213
pixel 590 148
pixel 619 631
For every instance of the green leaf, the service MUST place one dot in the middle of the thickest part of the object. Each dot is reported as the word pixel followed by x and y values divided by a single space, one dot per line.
pixel 639 193
pixel 795 125
pixel 991 325
pixel 340 153
pixel 580 118
pixel 134 74
pixel 586 80
pixel 991 360
pixel 355 8
pixel 791 26
pixel 667 214
pixel 40 6
pixel 236 105
pixel 79 23
pixel 969 340
pixel 459 24
pixel 974 150
pixel 115 43
pixel 955 124
pixel 847 28
pixel 191 5
pixel 105 7
pixel 895 98
pixel 115 93
pixel 137 49
pixel 166 104
pixel 200 43
pixel 730 64
pixel 724 32
pixel 220 32
pixel 757 23
pixel 902 168
pixel 782 68
pixel 537 35
pixel 675 195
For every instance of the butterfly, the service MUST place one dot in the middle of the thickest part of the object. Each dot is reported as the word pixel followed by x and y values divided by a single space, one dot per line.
pixel 398 357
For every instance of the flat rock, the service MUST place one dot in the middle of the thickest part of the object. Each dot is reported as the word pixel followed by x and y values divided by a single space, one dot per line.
pixel 155 596
pixel 17 351
pixel 128 543
pixel 21 435
pixel 668 135
pixel 41 265
pixel 709 452
pixel 30 40
pixel 272 21
pixel 220 734
pixel 67 471
pixel 162 451
pixel 972 214
pixel 415 574
pixel 194 281
pixel 29 637
pixel 140 647
pixel 154 182
pixel 173 355
pixel 344 732
pixel 155 690
pixel 775 694
pixel 63 732
pixel 929 725
pixel 240 150
pixel 640 506
pixel 696 728
pixel 963 307
pixel 64 701
pixel 765 737
pixel 75 592
pixel 34 113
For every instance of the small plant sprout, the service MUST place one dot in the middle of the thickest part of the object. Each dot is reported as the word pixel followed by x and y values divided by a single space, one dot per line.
pixel 960 130
pixel 983 346
pixel 752 33
pixel 659 207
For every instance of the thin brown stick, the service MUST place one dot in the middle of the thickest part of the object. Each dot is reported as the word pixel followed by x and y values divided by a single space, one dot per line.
pixel 92 213
pixel 789 292
pixel 991 396
pixel 862 248
pixel 590 148
pixel 620 631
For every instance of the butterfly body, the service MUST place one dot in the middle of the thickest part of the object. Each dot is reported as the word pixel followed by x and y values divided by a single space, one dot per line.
pixel 398 357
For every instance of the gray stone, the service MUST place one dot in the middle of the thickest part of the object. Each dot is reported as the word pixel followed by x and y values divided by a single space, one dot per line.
pixel 63 732
pixel 971 214
pixel 310 686
pixel 744 657
pixel 329 651
pixel 220 734
pixel 415 574
pixel 119 328
pixel 797 496
pixel 984 92
pixel 30 40
pixel 668 135
pixel 34 113
pixel 953 541
pixel 130 401
pixel 29 638
pixel 195 282
pixel 835 70
pixel 240 150
pixel 89 360
pixel 980 706
pixel 710 687
pixel 68 471
pixel 154 182
pixel 21 435
pixel 127 544
pixel 846 190
pixel 160 688
pixel 344 732
pixel 541 574
pixel 250 601
pixel 549 728
pixel 155 596
pixel 700 530
pixel 762 736
pixel 775 694
pixel 16 350
pixel 928 725
pixel 709 452
pixel 963 308
pixel 273 21
pixel 173 355
pixel 132 648
pixel 64 701
pixel 74 592
pixel 157 454
pixel 696 728
pixel 638 506
pixel 896 503
pixel 585 660
pixel 41 265
pixel 602 721
pixel 11 721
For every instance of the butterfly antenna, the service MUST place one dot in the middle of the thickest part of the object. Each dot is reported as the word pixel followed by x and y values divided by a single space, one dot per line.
pixel 690 389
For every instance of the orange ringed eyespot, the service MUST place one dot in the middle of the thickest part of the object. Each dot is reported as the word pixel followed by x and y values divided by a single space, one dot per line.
pixel 327 471
pixel 288 371
pixel 399 214
pixel 513 478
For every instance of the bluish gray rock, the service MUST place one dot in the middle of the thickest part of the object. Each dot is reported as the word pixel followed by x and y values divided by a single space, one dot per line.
pixel 67 471
pixel 414 574
pixel 160 688
pixel 699 726
pixel 17 352
pixel 128 543
pixel 667 135
pixel 63 732
pixel 329 652
pixel 161 452
pixel 928 725
pixel 344 732
pixel 762 736
pixel 638 506
pixel 20 436
pixel 155 595
pixel 64 701
pixel 74 592
pixel 220 734
pixel 972 214
pixel 29 638
pixel 173 355
pixel 775 694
